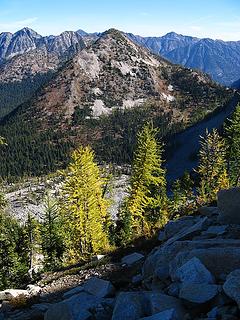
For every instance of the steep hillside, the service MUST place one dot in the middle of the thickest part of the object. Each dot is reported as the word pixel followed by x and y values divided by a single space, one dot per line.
pixel 101 97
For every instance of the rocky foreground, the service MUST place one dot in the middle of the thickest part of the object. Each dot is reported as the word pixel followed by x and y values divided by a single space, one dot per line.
pixel 194 273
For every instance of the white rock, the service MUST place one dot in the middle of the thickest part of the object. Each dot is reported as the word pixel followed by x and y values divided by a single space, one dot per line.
pixel 132 258
pixel 9 294
pixel 99 287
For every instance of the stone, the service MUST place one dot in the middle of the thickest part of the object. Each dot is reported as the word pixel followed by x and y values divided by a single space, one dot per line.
pixel 228 202
pixel 208 211
pixel 129 305
pixel 161 236
pixel 75 308
pixel 73 291
pixel 42 307
pixel 136 305
pixel 132 258
pixel 9 294
pixel 137 279
pixel 196 293
pixel 99 287
pixel 215 230
pixel 169 314
pixel 33 290
pixel 232 286
pixel 192 231
pixel 162 272
pixel 193 271
pixel 174 226
pixel 218 261
pixel 173 289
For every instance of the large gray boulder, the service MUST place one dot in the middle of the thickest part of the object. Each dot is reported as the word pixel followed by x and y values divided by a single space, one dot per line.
pixel 228 202
pixel 193 271
pixel 175 226
pixel 73 291
pixel 78 307
pixel 196 293
pixel 232 286
pixel 135 305
pixel 132 258
pixel 219 261
pixel 99 287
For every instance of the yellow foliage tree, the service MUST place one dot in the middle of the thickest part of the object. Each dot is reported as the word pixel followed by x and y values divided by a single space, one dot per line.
pixel 84 209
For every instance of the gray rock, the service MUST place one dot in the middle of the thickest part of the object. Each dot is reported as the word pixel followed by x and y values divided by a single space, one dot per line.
pixel 9 294
pixel 132 258
pixel 192 231
pixel 217 260
pixel 73 291
pixel 229 205
pixel 75 308
pixel 175 226
pixel 215 230
pixel 42 307
pixel 196 293
pixel 135 305
pixel 137 279
pixel 208 211
pixel 162 272
pixel 173 289
pixel 165 255
pixel 99 287
pixel 193 271
pixel 161 236
pixel 232 286
pixel 169 314
pixel 129 305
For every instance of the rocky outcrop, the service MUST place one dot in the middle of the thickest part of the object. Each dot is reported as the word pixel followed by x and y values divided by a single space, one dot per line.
pixel 193 274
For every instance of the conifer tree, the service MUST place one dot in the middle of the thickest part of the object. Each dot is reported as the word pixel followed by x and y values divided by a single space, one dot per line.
pixel 52 238
pixel 233 143
pixel 84 209
pixel 147 201
pixel 212 168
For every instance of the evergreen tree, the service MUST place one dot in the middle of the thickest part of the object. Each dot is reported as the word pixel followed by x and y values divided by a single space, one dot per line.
pixel 212 168
pixel 52 238
pixel 83 207
pixel 233 142
pixel 147 201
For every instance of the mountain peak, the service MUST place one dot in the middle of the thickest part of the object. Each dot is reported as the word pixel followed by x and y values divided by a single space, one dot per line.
pixel 29 32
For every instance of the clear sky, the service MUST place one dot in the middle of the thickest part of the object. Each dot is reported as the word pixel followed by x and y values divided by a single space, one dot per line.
pixel 217 19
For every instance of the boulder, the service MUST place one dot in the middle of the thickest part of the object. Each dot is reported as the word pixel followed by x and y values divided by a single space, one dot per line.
pixel 132 258
pixel 208 211
pixel 173 289
pixel 232 286
pixel 196 293
pixel 193 271
pixel 175 226
pixel 137 279
pixel 73 291
pixel 228 202
pixel 136 305
pixel 215 230
pixel 218 261
pixel 129 305
pixel 9 294
pixel 189 232
pixel 99 287
pixel 77 307
pixel 33 290
pixel 169 314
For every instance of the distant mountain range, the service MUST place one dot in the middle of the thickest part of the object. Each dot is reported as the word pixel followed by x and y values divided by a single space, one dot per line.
pixel 100 96
pixel 221 60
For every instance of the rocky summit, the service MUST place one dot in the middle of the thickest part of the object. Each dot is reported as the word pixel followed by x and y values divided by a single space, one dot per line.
pixel 193 273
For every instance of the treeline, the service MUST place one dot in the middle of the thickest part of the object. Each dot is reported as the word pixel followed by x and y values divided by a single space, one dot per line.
pixel 78 225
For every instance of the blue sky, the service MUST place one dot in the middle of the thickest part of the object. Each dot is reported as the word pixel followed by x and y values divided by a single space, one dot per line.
pixel 217 19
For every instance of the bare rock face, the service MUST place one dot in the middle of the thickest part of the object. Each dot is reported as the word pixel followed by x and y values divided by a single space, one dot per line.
pixel 229 206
